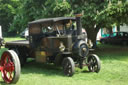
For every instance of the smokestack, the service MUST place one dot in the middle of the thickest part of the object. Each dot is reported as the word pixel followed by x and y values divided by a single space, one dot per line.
pixel 79 25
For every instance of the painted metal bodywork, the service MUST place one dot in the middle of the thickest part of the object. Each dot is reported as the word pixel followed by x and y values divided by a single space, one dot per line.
pixel 50 37
pixel 56 40
pixel 60 39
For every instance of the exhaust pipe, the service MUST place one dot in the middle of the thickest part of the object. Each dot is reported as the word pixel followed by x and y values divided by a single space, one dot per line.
pixel 78 23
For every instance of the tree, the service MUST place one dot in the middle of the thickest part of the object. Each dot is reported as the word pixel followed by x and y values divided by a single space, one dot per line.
pixel 15 14
pixel 62 9
pixel 90 9
pixel 99 14
pixel 27 11
pixel 7 12
pixel 31 10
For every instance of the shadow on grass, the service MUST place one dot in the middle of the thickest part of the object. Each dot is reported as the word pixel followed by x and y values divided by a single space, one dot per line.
pixel 40 68
pixel 3 83
pixel 112 52
pixel 86 71
pixel 47 69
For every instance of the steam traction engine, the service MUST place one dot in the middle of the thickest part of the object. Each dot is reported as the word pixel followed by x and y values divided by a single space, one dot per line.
pixel 62 42
pixel 53 40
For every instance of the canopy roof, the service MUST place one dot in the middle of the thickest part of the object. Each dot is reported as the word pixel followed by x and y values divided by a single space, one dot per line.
pixel 52 20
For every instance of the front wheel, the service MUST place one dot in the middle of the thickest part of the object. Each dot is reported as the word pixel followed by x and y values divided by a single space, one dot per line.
pixel 68 66
pixel 94 64
pixel 10 67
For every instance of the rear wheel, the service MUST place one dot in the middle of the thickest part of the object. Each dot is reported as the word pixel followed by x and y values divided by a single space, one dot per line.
pixel 94 64
pixel 11 67
pixel 68 66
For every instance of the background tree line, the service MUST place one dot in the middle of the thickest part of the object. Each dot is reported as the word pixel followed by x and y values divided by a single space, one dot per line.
pixel 15 14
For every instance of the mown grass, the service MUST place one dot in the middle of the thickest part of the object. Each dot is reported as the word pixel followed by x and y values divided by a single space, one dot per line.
pixel 114 70
pixel 13 39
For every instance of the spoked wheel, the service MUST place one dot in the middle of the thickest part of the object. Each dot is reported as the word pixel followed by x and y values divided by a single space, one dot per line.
pixel 68 66
pixel 94 64
pixel 10 67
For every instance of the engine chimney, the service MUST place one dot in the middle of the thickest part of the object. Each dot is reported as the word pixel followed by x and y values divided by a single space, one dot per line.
pixel 79 25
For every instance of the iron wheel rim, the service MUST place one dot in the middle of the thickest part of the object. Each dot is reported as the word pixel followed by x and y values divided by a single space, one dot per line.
pixel 8 65
pixel 94 64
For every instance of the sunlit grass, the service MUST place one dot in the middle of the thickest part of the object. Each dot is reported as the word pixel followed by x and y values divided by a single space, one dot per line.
pixel 13 39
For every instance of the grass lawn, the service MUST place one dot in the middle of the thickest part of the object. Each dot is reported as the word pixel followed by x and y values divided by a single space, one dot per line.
pixel 114 70
pixel 13 39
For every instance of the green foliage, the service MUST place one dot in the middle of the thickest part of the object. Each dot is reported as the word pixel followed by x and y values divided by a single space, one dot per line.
pixel 62 8
pixel 15 14
pixel 115 13
pixel 7 12
pixel 100 13
pixel 31 10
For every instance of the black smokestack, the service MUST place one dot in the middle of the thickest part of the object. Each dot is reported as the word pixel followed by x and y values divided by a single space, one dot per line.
pixel 79 25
